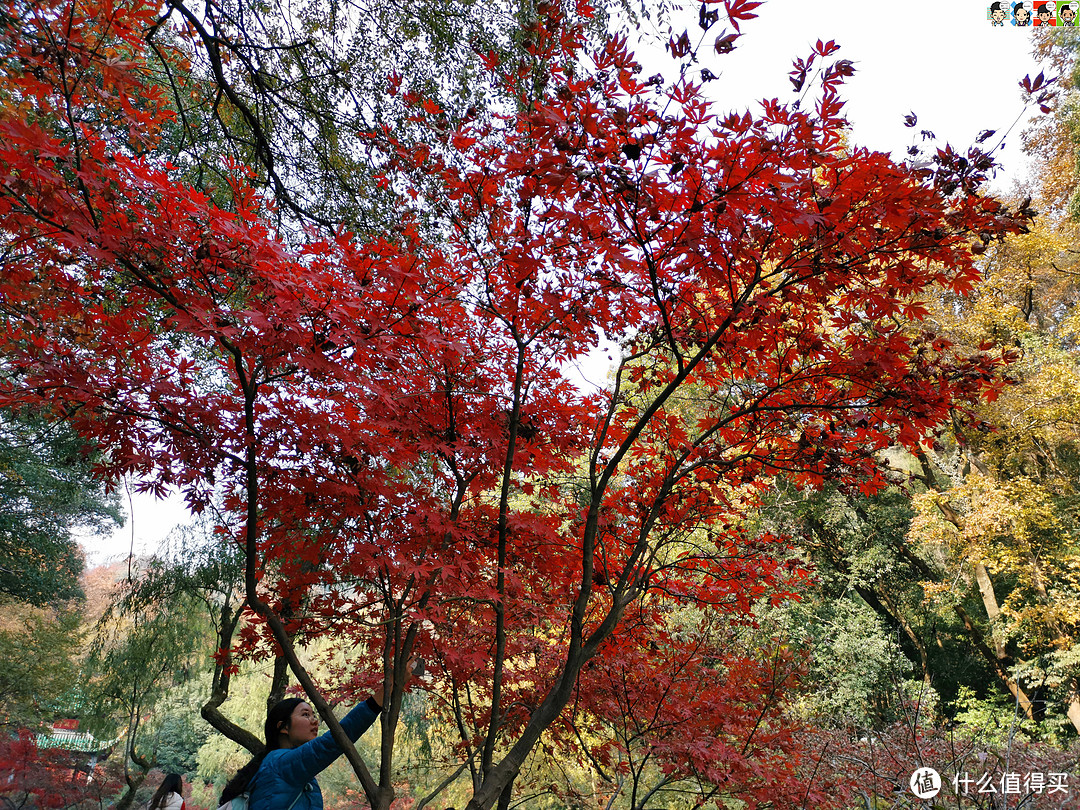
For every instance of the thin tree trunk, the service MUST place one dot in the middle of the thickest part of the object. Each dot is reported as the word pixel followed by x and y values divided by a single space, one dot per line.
pixel 990 604
pixel 909 633
pixel 379 796
pixel 219 690
pixel 133 782
pixel 998 663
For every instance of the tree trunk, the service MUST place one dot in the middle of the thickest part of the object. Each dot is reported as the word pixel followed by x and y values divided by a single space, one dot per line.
pixel 999 663
pixel 219 690
pixel 990 604
pixel 998 658
pixel 506 795
pixel 134 782
pixel 912 637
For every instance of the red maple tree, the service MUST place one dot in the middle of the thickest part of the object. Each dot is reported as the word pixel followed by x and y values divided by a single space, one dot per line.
pixel 49 778
pixel 392 425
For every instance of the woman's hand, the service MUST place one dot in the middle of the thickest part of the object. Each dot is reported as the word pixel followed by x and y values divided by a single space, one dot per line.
pixel 416 665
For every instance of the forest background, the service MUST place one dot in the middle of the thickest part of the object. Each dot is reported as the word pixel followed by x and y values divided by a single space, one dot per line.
pixel 736 588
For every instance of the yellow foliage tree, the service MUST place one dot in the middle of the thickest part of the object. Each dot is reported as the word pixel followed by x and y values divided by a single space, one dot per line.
pixel 998 516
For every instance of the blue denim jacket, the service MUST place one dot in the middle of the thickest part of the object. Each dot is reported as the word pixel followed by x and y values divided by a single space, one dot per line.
pixel 288 773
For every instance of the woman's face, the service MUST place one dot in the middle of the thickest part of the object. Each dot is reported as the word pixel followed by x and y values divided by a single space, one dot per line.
pixel 303 726
pixel 1022 16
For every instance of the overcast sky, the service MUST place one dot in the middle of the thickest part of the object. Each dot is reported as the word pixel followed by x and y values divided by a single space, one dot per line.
pixel 942 60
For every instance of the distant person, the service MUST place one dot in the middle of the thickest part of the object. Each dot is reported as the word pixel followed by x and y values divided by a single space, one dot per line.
pixel 282 777
pixel 1044 14
pixel 1021 14
pixel 170 795
pixel 998 14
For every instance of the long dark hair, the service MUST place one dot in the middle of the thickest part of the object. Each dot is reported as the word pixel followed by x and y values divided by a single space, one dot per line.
pixel 172 783
pixel 281 713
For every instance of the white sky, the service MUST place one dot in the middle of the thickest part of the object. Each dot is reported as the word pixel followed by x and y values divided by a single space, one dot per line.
pixel 942 60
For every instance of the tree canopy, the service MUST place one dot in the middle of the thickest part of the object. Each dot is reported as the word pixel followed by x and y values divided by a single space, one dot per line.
pixel 47 491
pixel 389 421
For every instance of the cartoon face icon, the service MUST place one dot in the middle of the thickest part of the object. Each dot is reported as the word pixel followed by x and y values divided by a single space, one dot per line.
pixel 1067 15
pixel 998 13
pixel 1045 12
pixel 1021 15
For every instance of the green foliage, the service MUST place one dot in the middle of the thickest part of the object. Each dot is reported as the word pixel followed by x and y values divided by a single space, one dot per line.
pixel 855 664
pixel 176 730
pixel 994 719
pixel 47 492
pixel 37 648
pixel 868 624
pixel 140 652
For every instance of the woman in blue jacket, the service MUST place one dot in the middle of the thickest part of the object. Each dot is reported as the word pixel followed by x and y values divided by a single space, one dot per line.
pixel 283 775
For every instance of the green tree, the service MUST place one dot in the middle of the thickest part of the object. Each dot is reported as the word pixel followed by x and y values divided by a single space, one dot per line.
pixel 867 625
pixel 295 94
pixel 177 731
pixel 39 647
pixel 47 493
pixel 144 647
